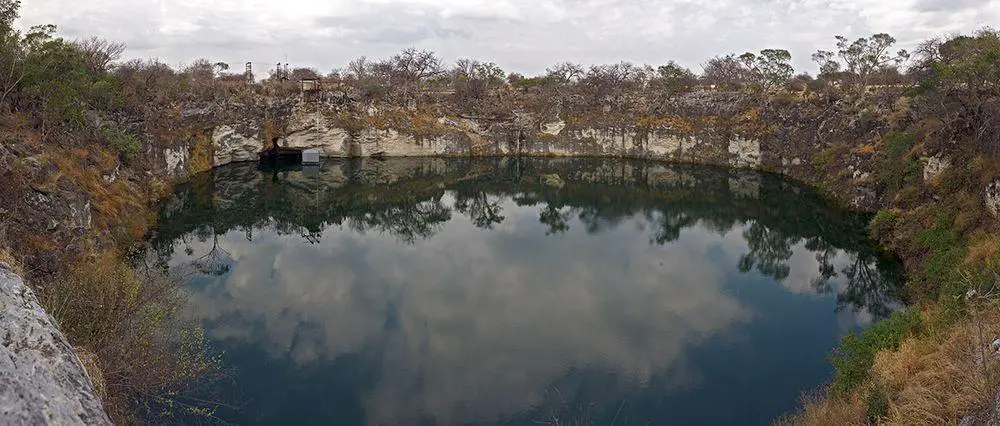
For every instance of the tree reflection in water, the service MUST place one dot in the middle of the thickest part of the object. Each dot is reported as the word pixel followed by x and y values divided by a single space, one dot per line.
pixel 412 199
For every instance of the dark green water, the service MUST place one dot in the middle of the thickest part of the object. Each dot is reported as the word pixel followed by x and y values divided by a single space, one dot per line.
pixel 434 291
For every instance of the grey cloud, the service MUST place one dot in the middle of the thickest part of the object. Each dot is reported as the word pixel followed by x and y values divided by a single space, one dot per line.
pixel 948 5
pixel 520 35
pixel 463 301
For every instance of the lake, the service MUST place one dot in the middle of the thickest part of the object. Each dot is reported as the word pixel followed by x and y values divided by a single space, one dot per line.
pixel 423 291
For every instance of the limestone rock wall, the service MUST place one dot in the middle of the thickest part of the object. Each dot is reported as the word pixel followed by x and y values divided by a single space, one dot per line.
pixel 314 129
pixel 230 146
pixel 41 379
pixel 992 197
pixel 788 145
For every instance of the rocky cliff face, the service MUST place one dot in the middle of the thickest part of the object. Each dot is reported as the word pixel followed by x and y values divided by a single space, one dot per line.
pixel 41 379
pixel 817 141
pixel 320 126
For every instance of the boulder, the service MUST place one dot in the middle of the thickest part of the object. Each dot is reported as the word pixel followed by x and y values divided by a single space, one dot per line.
pixel 42 381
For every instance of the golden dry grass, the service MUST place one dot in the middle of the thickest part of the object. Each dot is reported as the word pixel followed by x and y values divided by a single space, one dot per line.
pixel 822 410
pixel 982 249
pixel 7 257
pixel 932 381
pixel 92 366
pixel 935 379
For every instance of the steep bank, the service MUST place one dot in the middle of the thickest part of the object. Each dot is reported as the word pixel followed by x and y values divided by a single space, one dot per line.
pixel 42 381
pixel 828 143
pixel 87 144
pixel 883 156
pixel 91 200
pixel 726 129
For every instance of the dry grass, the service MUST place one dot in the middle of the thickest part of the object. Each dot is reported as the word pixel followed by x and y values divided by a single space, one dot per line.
pixel 982 249
pixel 6 254
pixel 934 379
pixel 118 314
pixel 822 410
pixel 92 366
pixel 120 205
pixel 12 262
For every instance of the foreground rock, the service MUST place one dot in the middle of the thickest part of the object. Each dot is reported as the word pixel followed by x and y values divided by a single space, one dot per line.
pixel 993 198
pixel 41 379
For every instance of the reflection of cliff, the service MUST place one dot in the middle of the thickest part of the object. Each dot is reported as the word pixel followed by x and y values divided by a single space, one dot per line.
pixel 403 197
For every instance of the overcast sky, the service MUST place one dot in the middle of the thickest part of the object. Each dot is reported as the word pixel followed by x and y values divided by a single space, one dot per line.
pixel 519 35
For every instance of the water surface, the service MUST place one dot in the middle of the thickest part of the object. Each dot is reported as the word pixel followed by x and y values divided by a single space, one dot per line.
pixel 458 291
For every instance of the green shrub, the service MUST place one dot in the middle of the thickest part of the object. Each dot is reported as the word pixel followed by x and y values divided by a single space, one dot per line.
pixel 853 359
pixel 946 250
pixel 876 404
pixel 132 320
pixel 122 141
pixel 883 224
pixel 896 166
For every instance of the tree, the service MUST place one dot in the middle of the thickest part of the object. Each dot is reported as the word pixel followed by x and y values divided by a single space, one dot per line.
pixel 611 86
pixel 357 69
pixel 8 14
pixel 800 82
pixel 566 72
pixel 865 56
pixel 960 83
pixel 201 70
pixel 303 73
pixel 409 69
pixel 673 78
pixel 770 70
pixel 475 82
pixel 724 72
pixel 100 53
pixel 829 69
pixel 220 67
pixel 11 51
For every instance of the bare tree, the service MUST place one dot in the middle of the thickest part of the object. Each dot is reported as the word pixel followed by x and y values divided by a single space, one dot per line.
pixel 409 69
pixel 357 69
pixel 476 82
pixel 566 72
pixel 303 73
pixel 724 72
pixel 100 53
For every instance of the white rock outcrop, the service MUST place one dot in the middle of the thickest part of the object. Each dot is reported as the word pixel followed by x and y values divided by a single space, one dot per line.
pixel 231 146
pixel 667 145
pixel 993 198
pixel 744 152
pixel 934 166
pixel 313 130
pixel 176 160
pixel 397 144
pixel 553 128
pixel 42 381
